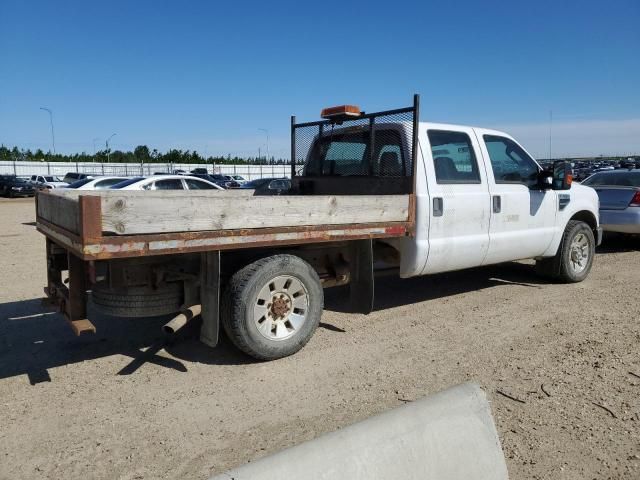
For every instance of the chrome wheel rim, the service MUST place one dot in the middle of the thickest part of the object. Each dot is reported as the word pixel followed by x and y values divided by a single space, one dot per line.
pixel 281 307
pixel 579 253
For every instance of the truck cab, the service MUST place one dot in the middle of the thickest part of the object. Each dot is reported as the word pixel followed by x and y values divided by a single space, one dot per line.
pixel 479 197
pixel 482 199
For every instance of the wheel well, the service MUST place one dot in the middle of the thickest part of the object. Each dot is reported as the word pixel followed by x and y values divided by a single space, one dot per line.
pixel 586 217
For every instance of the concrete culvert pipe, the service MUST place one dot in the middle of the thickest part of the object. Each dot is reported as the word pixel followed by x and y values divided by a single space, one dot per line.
pixel 447 436
pixel 181 319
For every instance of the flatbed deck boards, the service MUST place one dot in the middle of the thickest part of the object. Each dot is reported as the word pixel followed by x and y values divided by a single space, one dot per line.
pixel 107 224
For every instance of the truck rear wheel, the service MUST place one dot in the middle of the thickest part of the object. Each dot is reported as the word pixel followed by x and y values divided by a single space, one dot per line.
pixel 138 301
pixel 574 259
pixel 272 306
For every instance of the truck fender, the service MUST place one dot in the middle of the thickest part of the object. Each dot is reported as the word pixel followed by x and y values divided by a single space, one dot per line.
pixel 574 211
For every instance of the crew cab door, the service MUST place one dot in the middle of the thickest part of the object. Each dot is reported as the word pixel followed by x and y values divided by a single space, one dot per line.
pixel 523 216
pixel 459 200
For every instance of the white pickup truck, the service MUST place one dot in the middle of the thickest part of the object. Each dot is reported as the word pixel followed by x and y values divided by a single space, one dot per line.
pixel 369 192
pixel 47 181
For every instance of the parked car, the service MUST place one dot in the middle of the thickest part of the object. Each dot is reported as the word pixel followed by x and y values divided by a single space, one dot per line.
pixel 238 178
pixel 12 186
pixel 71 177
pixel 220 180
pixel 230 182
pixel 215 179
pixel 46 181
pixel 166 182
pixel 619 194
pixel 268 186
pixel 98 183
pixel 199 171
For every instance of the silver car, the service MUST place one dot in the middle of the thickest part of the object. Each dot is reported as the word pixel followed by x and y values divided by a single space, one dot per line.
pixel 619 193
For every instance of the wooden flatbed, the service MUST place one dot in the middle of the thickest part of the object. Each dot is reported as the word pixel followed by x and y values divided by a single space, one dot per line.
pixel 100 225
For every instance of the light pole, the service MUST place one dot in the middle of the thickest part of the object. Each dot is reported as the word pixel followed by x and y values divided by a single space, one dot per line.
pixel 267 134
pixel 53 138
pixel 94 148
pixel 107 145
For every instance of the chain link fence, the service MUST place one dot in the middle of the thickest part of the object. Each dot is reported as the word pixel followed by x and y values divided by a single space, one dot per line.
pixel 59 169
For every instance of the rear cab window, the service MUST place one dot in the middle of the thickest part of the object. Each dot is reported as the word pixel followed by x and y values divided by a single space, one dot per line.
pixel 347 153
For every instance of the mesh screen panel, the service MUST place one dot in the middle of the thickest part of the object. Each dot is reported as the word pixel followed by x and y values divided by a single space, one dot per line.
pixel 376 145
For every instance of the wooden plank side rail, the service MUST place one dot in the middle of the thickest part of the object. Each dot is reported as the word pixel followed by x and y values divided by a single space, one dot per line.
pixel 145 214
pixel 59 210
pixel 166 224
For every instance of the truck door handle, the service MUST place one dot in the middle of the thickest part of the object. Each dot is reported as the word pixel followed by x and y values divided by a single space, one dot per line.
pixel 438 206
pixel 497 204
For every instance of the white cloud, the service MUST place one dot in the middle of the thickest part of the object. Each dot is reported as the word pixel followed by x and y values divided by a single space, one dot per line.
pixel 579 138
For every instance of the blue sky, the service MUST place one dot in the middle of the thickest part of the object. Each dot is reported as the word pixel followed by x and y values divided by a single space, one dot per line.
pixel 207 75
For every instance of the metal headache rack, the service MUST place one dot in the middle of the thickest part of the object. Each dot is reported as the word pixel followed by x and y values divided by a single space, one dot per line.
pixel 353 152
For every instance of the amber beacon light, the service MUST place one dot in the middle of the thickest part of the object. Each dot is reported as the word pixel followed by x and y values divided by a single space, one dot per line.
pixel 340 112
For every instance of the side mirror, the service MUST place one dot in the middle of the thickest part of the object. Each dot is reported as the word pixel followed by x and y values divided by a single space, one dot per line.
pixel 545 179
pixel 562 175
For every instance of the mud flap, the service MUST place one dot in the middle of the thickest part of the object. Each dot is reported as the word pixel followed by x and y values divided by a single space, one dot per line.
pixel 361 273
pixel 210 297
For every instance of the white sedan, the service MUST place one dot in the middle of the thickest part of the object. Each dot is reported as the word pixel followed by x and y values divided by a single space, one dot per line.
pixel 97 183
pixel 166 182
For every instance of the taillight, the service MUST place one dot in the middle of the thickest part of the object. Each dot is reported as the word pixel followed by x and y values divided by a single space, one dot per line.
pixel 635 201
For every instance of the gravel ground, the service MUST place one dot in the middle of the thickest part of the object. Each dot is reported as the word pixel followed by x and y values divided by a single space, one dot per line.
pixel 120 404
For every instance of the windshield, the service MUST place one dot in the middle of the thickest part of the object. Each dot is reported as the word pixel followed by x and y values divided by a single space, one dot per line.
pixel 619 179
pixel 256 183
pixel 79 183
pixel 51 179
pixel 126 183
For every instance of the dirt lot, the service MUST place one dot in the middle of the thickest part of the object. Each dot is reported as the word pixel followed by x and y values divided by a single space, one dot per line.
pixel 121 405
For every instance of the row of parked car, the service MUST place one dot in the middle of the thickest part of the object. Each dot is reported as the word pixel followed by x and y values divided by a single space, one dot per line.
pixel 618 189
pixel 197 179
pixel 583 169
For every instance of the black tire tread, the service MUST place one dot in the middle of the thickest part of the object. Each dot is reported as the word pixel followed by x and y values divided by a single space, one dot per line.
pixel 138 301
pixel 555 267
pixel 232 306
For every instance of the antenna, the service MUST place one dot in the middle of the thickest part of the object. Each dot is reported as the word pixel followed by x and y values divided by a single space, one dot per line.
pixel 550 127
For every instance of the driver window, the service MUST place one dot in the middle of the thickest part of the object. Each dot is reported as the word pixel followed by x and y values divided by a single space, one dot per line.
pixel 510 163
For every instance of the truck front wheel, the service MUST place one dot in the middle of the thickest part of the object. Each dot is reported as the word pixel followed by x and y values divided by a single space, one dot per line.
pixel 272 307
pixel 573 261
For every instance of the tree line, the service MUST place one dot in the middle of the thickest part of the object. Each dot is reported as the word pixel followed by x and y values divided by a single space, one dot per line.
pixel 140 154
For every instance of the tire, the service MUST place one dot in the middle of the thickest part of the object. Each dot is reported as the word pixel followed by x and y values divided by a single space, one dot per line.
pixel 138 302
pixel 272 307
pixel 574 259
